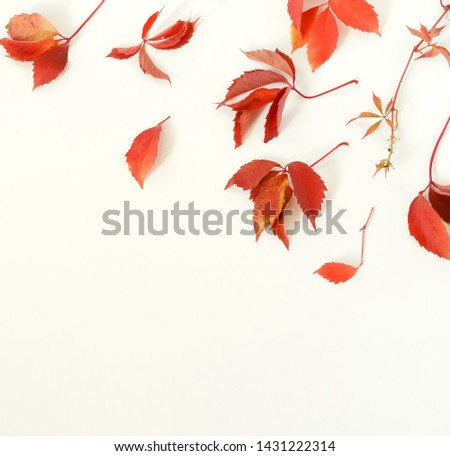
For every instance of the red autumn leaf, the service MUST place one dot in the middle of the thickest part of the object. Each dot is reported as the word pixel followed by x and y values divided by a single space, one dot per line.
pixel 30 27
pixel 337 272
pixel 256 100
pixel 323 38
pixel 242 122
pixel 300 38
pixel 427 228
pixel 435 51
pixel 255 190
pixel 309 189
pixel 149 24
pixel 275 115
pixel 49 65
pixel 251 174
pixel 275 59
pixel 295 10
pixel 357 14
pixel 148 67
pixel 175 36
pixel 269 202
pixel 26 51
pixel 251 80
pixel 143 152
pixel 439 196
pixel 124 53
pixel 436 31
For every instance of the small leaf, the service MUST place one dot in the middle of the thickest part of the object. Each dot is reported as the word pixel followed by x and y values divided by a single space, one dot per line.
pixel 377 103
pixel 357 14
pixel 427 228
pixel 415 32
pixel 49 65
pixel 275 59
pixel 372 129
pixel 26 51
pixel 278 227
pixel 30 27
pixel 143 153
pixel 250 174
pixel 148 67
pixel 364 115
pixel 275 115
pixel 337 272
pixel 124 53
pixel 309 189
pixel 269 202
pixel 439 196
pixel 323 39
pixel 149 24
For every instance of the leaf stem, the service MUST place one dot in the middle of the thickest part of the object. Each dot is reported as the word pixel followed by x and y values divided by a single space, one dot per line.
pixel 363 239
pixel 78 30
pixel 329 153
pixel 353 81
pixel 436 147
pixel 394 111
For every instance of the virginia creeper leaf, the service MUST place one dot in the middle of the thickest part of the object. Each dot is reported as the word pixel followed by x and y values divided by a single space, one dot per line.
pixel 269 202
pixel 295 10
pixel 439 196
pixel 124 53
pixel 49 65
pixel 143 153
pixel 300 37
pixel 256 100
pixel 275 115
pixel 26 51
pixel 251 174
pixel 242 122
pixel 251 80
pixel 309 189
pixel 175 36
pixel 357 14
pixel 427 228
pixel 30 27
pixel 337 272
pixel 275 59
pixel 372 129
pixel 323 38
pixel 149 24
pixel 148 67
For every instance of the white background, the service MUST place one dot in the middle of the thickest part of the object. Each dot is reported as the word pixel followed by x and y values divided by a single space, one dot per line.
pixel 215 335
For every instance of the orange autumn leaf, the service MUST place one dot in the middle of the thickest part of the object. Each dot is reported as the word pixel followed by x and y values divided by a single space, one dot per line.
pixel 143 153
pixel 30 27
pixel 337 272
pixel 49 65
